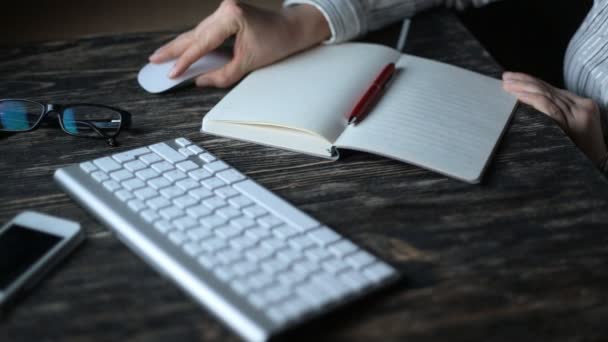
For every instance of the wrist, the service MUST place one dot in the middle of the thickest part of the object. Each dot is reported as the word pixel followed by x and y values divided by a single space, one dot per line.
pixel 306 27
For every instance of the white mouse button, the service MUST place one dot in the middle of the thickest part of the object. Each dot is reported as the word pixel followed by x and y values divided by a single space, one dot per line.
pixel 154 78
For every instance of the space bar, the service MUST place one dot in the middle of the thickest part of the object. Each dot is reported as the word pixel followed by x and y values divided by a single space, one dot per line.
pixel 276 205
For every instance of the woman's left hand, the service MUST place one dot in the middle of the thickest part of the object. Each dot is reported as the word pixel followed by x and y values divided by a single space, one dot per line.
pixel 578 117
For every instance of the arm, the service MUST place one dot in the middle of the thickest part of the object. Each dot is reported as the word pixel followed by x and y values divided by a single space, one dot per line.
pixel 351 18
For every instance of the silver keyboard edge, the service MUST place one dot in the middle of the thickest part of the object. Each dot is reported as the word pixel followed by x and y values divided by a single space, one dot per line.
pixel 70 179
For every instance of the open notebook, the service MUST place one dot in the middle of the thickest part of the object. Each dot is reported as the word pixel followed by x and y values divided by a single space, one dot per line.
pixel 431 114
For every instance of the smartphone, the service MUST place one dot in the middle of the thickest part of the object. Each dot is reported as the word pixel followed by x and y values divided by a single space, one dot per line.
pixel 30 245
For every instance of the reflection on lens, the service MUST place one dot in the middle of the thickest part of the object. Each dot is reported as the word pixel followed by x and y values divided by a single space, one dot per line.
pixel 19 115
pixel 94 121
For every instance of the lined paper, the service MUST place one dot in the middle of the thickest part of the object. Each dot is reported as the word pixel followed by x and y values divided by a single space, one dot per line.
pixel 436 116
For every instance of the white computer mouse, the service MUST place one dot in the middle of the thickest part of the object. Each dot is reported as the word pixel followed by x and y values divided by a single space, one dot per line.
pixel 154 78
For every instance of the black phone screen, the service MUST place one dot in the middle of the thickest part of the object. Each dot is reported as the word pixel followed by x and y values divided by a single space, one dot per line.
pixel 20 248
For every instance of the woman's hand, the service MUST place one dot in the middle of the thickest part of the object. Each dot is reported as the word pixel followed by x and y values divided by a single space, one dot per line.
pixel 577 116
pixel 262 37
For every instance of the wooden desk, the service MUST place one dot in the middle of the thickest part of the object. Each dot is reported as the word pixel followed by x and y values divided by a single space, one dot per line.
pixel 521 257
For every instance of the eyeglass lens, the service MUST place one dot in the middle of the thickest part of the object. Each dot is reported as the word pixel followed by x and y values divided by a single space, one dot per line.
pixel 19 115
pixel 85 120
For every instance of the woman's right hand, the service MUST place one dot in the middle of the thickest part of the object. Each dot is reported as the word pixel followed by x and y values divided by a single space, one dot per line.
pixel 262 38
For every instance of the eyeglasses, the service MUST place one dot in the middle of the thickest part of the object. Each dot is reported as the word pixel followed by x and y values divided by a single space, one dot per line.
pixel 78 119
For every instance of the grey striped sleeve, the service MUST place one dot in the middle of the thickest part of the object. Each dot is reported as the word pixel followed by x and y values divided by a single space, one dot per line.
pixel 351 18
pixel 586 63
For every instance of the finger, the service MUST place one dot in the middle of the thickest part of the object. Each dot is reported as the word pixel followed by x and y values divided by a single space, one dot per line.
pixel 207 38
pixel 524 86
pixel 173 49
pixel 223 77
pixel 544 105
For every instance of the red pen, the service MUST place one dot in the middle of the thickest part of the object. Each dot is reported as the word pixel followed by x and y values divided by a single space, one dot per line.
pixel 371 95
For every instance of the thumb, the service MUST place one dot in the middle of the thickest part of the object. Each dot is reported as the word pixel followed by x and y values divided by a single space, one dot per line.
pixel 224 77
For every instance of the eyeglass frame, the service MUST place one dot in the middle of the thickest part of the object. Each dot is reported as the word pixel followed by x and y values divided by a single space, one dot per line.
pixel 125 119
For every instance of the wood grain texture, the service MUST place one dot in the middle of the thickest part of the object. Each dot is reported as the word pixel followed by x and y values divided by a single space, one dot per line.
pixel 521 256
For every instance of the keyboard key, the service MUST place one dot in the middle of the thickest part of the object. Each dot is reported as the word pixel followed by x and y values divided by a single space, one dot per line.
pixel 133 184
pixel 150 158
pixel 172 192
pixel 334 265
pixel 269 221
pixel 212 183
pixel 182 142
pixel 136 205
pixel 111 185
pixel 135 165
pixel 171 213
pixel 150 215
pixel 240 201
pixel 214 203
pixel 178 238
pixel 230 176
pixel 198 211
pixel 242 222
pixel 163 226
pixel 124 195
pixel 146 174
pixel 200 193
pixel 107 164
pixel 185 152
pixel 284 232
pixel 167 153
pixel 323 236
pixel 158 183
pixel 276 205
pixel 199 233
pixel 158 203
pixel 207 157
pixel 88 167
pixel 121 175
pixel 199 174
pixel 343 248
pixel 187 184
pixel 216 166
pixel 354 280
pixel 195 149
pixel 207 260
pixel 185 201
pixel 185 223
pixel 227 232
pixel 100 176
pixel 301 242
pixel 214 244
pixel 186 166
pixel 193 249
pixel 360 259
pixel 378 271
pixel 255 211
pixel 145 193
pixel 162 167
pixel 242 242
pixel 226 192
pixel 228 212
pixel 130 155
pixel 174 175
pixel 212 221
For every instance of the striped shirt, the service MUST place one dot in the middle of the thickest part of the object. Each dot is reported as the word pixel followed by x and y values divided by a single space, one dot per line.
pixel 586 63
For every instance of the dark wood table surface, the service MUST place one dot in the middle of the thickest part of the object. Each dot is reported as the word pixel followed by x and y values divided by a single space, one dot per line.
pixel 520 257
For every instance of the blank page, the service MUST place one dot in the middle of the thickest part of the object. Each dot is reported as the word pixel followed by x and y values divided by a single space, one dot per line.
pixel 436 116
pixel 310 92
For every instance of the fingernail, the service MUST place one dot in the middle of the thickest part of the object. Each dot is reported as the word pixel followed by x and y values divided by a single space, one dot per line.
pixel 173 72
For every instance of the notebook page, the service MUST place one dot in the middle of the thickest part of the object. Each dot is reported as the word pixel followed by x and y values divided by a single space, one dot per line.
pixel 436 116
pixel 310 92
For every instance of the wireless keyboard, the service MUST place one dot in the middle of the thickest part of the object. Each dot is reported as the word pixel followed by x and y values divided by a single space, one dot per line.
pixel 258 263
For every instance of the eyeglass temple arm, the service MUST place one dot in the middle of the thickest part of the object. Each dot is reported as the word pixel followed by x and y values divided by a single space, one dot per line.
pixel 110 140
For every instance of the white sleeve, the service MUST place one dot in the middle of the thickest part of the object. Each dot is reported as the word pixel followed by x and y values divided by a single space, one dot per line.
pixel 351 18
